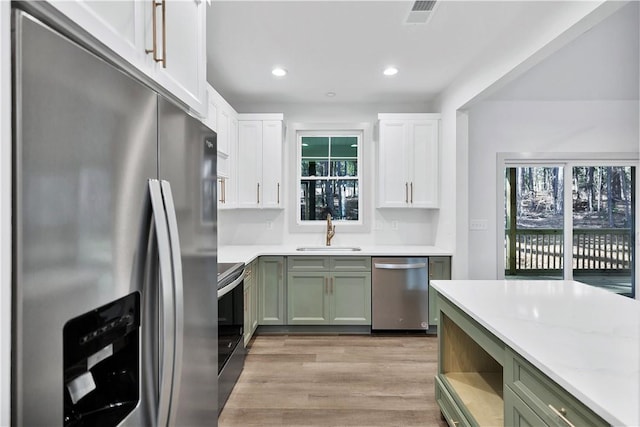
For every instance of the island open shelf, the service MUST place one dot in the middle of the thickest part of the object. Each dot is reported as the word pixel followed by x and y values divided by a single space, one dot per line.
pixel 472 375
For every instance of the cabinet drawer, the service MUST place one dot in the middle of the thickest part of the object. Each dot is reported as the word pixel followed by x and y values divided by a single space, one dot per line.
pixel 350 263
pixel 448 407
pixel 542 394
pixel 308 263
pixel 517 413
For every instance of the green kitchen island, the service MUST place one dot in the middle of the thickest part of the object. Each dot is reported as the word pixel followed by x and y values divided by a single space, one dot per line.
pixel 536 353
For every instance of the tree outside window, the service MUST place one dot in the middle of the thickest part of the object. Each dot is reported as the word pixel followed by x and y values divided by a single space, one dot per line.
pixel 329 177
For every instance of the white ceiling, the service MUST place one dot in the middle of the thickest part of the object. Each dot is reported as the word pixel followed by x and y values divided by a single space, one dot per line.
pixel 343 47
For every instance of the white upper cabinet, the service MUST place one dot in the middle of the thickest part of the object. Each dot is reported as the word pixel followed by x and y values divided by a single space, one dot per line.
pixel 222 118
pixel 272 164
pixel 260 161
pixel 408 161
pixel 127 27
pixel 184 69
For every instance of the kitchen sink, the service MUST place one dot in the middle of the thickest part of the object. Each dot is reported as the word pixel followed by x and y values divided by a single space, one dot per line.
pixel 328 248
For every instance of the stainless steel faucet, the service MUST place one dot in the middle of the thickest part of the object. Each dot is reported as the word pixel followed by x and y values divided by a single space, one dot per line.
pixel 331 230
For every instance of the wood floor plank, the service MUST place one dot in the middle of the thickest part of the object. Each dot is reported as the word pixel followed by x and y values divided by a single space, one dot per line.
pixel 336 380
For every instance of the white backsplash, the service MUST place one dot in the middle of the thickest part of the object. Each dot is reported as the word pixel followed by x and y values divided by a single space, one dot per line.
pixel 251 227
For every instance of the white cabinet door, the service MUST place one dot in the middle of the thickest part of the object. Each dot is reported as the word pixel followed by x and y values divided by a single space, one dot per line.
pixel 126 27
pixel 227 171
pixel 259 166
pixel 408 163
pixel 115 24
pixel 231 195
pixel 224 136
pixel 393 179
pixel 272 164
pixel 423 190
pixel 184 71
pixel 249 163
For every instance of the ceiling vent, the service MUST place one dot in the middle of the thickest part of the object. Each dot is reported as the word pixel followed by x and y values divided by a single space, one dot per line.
pixel 421 12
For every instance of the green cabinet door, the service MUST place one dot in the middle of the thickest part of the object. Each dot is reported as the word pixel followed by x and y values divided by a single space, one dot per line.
pixel 439 269
pixel 517 413
pixel 271 291
pixel 308 298
pixel 350 294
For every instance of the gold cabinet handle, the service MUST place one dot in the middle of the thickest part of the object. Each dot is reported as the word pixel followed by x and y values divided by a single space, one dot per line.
pixel 326 285
pixel 258 193
pixel 411 192
pixel 154 50
pixel 406 192
pixel 561 414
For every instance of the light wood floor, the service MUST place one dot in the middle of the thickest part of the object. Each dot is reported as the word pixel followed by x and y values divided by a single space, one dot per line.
pixel 336 380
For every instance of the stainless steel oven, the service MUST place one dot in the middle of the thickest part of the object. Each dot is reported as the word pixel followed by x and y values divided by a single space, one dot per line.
pixel 231 350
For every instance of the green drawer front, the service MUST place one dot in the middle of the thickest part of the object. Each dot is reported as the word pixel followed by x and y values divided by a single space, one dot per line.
pixel 350 263
pixel 308 263
pixel 517 413
pixel 448 407
pixel 539 392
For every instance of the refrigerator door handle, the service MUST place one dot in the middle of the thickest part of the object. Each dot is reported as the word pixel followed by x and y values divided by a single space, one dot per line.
pixel 178 299
pixel 167 316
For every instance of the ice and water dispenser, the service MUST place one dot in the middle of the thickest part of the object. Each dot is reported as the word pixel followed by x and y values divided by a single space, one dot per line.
pixel 101 364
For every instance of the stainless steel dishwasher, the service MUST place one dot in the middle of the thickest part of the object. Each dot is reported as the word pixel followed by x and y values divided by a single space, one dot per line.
pixel 400 293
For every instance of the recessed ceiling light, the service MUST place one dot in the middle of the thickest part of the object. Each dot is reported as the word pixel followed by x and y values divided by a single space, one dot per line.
pixel 330 94
pixel 390 71
pixel 279 72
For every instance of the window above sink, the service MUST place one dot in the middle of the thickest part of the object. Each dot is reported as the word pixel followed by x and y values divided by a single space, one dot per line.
pixel 330 176
pixel 329 181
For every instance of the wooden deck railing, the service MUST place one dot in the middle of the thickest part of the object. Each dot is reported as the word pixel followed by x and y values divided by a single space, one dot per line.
pixel 607 249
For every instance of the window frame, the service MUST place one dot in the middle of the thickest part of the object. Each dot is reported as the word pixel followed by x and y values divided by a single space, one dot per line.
pixel 567 161
pixel 363 132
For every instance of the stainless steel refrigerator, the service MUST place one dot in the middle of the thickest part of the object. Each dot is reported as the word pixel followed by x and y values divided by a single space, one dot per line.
pixel 112 187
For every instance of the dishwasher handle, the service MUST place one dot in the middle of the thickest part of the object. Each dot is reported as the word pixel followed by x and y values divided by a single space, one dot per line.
pixel 400 266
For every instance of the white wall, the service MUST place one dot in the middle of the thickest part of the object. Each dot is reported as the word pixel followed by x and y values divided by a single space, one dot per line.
pixel 534 127
pixel 5 213
pixel 415 227
pixel 509 62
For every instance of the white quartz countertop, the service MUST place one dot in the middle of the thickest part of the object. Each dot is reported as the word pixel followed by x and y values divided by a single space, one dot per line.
pixel 247 253
pixel 584 338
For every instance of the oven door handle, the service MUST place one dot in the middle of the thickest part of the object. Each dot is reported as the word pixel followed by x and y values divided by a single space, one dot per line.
pixel 223 291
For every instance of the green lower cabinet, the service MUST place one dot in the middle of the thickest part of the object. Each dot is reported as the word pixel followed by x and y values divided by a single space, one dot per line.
pixel 439 269
pixel 271 291
pixel 308 298
pixel 517 413
pixel 329 290
pixel 350 294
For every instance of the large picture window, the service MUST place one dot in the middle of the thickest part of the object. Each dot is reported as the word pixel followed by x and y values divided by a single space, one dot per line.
pixel 329 176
